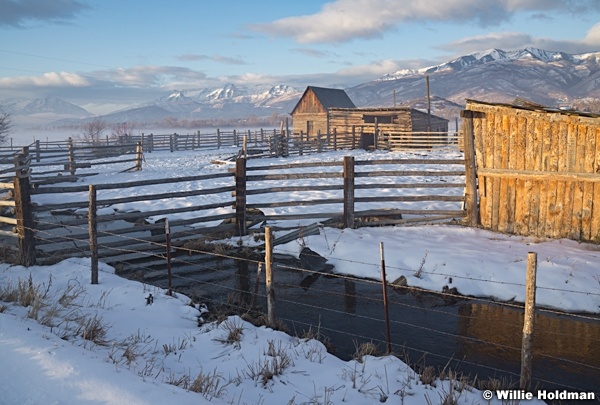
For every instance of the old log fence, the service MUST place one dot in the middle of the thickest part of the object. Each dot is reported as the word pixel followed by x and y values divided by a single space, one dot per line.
pixel 64 158
pixel 234 196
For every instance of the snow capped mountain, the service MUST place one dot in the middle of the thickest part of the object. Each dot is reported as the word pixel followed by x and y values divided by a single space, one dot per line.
pixel 545 77
pixel 496 56
pixel 31 112
pixel 229 101
pixel 42 106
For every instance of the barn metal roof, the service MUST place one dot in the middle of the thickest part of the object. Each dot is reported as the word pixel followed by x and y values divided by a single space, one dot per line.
pixel 332 97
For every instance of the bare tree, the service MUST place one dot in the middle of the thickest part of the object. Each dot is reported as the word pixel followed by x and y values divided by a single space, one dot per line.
pixel 122 131
pixel 5 126
pixel 92 131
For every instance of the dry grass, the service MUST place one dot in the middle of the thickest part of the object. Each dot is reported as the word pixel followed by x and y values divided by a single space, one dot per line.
pixel 93 329
pixel 209 385
pixel 365 349
pixel 316 334
pixel 234 332
pixel 428 376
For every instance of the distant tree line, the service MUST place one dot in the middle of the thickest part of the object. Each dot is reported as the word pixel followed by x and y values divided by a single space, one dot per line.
pixel 250 121
pixel 5 126
pixel 97 130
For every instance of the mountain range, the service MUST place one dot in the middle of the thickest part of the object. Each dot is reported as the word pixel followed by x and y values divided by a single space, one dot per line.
pixel 550 78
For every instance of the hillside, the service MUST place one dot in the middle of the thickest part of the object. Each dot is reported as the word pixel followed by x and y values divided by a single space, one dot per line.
pixel 549 78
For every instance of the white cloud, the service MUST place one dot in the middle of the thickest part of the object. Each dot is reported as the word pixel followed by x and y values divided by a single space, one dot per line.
pixel 155 76
pixel 344 20
pixel 51 79
pixel 593 36
pixel 375 69
pixel 227 60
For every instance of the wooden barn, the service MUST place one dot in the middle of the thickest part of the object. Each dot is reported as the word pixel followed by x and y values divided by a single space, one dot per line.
pixel 311 114
pixel 328 111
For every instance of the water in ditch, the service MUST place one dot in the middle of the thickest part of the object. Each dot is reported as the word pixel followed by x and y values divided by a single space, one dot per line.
pixel 478 338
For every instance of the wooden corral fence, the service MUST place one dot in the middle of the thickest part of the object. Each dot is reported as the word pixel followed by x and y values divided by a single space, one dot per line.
pixel 55 222
pixel 350 178
pixel 538 170
pixel 202 140
pixel 59 161
pixel 62 228
pixel 382 137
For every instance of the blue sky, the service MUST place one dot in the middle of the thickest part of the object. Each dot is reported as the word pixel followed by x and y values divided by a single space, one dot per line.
pixel 107 54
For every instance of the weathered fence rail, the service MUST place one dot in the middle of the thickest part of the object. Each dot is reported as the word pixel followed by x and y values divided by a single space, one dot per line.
pixel 60 164
pixel 129 215
pixel 61 227
pixel 393 205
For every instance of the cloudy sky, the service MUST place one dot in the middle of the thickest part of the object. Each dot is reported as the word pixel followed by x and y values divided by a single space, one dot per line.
pixel 107 54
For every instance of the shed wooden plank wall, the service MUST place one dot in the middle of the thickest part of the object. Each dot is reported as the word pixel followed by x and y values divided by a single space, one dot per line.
pixel 342 120
pixel 309 108
pixel 538 172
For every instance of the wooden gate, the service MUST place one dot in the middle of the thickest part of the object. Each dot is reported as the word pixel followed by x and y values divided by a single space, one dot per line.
pixel 537 169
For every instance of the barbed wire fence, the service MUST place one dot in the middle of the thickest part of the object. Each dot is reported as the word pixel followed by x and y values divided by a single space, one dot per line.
pixel 227 293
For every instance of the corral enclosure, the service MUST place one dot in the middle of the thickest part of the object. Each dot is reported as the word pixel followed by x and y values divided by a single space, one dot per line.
pixel 419 185
pixel 537 169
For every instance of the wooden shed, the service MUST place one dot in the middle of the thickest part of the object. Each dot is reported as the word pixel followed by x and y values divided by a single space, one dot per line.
pixel 311 114
pixel 397 127
pixel 538 169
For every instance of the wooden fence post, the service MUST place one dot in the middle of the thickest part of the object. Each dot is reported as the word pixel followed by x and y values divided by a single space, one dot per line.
pixel 37 151
pixel 334 138
pixel 23 209
pixel 139 155
pixel 274 143
pixel 240 196
pixel 168 243
pixel 93 231
pixel 471 203
pixel 218 139
pixel 528 324
pixel 348 191
pixel 385 301
pixel 270 290
pixel 319 146
pixel 71 156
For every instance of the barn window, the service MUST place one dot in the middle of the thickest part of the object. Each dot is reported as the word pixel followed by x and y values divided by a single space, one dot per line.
pixel 381 119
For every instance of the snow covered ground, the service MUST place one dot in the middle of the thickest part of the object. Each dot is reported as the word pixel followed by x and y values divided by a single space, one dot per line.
pixel 154 353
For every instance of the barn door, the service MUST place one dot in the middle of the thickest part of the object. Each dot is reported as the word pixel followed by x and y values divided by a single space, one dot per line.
pixel 309 129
